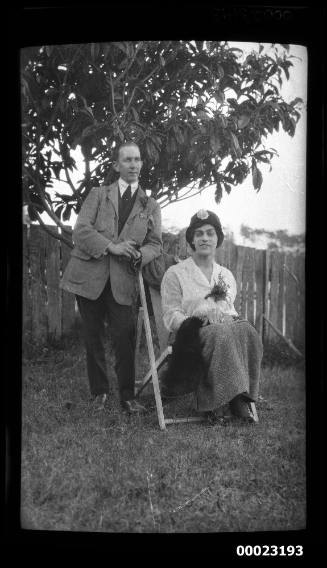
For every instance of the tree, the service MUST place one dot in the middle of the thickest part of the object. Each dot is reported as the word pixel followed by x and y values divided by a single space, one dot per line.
pixel 200 112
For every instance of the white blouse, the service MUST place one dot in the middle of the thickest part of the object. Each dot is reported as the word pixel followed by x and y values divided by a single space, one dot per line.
pixel 184 283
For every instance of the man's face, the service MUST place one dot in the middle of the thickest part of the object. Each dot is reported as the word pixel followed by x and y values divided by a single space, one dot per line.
pixel 129 163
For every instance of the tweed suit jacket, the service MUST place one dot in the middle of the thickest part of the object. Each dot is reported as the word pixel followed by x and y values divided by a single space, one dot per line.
pixel 88 269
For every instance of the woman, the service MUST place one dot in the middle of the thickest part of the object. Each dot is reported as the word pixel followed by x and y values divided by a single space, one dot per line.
pixel 230 348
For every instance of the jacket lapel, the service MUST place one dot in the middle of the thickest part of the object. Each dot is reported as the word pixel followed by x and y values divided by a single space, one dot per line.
pixel 112 194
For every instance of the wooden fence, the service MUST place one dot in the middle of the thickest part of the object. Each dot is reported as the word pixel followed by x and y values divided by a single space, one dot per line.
pixel 48 312
pixel 268 282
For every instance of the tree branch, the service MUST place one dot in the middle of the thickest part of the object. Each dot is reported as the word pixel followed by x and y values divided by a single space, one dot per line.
pixel 168 201
pixel 62 88
pixel 138 47
pixel 113 103
pixel 53 234
pixel 46 206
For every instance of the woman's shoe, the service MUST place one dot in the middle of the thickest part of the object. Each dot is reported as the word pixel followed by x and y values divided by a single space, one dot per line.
pixel 240 407
pixel 98 402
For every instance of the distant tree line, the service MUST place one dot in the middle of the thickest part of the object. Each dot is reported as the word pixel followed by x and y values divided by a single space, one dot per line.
pixel 280 239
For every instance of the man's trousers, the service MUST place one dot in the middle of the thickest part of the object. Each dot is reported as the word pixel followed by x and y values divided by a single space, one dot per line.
pixel 121 321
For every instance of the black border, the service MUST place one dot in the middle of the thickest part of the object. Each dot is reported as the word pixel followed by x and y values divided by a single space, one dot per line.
pixel 87 22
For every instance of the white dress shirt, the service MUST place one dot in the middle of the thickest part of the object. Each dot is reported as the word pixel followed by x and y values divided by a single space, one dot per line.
pixel 123 185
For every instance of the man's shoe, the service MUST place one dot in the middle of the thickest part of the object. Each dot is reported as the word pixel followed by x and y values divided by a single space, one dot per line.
pixel 99 401
pixel 240 407
pixel 132 406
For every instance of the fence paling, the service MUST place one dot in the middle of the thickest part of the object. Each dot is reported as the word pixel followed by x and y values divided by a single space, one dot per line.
pixel 274 290
pixel 291 305
pixel 259 260
pixel 239 300
pixel 68 314
pixel 38 292
pixel 299 332
pixel 281 292
pixel 248 283
pixel 53 291
pixel 27 308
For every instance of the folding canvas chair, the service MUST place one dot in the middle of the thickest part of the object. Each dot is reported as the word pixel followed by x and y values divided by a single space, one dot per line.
pixel 165 351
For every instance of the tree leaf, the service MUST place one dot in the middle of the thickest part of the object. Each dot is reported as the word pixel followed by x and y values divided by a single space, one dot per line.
pixel 235 145
pixel 221 71
pixel 215 142
pixel 296 101
pixel 203 115
pixel 223 121
pixel 58 211
pixel 243 121
pixel 218 192
pixel 219 96
pixel 135 114
pixel 57 167
pixel 256 178
pixel 121 46
pixel 179 134
pixel 67 213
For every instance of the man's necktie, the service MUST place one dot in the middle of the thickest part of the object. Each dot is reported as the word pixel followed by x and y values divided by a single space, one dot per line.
pixel 127 193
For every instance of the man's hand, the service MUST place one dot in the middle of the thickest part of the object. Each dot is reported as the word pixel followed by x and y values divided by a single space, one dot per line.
pixel 124 248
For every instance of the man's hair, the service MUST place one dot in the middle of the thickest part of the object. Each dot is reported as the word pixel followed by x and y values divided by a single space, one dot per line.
pixel 123 145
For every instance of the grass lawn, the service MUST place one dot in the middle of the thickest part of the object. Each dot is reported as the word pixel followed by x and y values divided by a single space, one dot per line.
pixel 107 472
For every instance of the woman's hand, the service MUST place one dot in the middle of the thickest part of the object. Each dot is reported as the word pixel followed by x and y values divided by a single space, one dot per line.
pixel 208 311
pixel 213 315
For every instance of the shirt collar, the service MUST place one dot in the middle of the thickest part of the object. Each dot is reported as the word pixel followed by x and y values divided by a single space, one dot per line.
pixel 122 184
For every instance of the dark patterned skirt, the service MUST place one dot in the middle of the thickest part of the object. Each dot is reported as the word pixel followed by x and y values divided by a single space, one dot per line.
pixel 232 354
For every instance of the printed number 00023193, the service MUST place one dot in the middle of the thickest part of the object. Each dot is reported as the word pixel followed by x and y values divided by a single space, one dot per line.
pixel 270 550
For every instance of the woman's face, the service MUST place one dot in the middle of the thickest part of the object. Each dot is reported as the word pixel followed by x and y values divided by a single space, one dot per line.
pixel 205 240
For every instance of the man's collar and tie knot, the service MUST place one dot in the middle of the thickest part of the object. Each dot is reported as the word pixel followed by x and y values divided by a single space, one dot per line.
pixel 127 190
pixel 127 195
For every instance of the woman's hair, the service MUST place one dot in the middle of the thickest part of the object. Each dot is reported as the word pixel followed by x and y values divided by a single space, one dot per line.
pixel 204 217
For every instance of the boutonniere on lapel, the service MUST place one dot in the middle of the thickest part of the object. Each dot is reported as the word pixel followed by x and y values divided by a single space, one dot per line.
pixel 144 200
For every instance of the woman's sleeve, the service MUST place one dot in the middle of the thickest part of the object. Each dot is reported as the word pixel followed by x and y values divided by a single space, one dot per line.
pixel 171 297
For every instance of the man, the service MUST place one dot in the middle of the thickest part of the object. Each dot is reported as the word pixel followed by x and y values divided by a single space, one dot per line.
pixel 117 232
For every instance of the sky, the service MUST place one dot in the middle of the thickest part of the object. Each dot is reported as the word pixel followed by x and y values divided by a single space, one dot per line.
pixel 280 204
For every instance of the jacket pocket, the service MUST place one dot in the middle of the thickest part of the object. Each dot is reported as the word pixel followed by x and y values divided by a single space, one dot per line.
pixel 78 253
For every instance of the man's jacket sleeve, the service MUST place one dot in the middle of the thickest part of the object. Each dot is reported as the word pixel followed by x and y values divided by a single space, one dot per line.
pixel 85 236
pixel 152 246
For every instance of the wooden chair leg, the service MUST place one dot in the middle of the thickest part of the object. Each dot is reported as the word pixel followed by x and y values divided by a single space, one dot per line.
pixel 154 373
pixel 254 412
pixel 158 363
